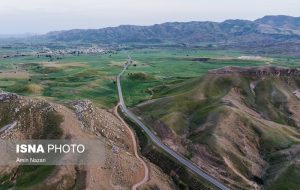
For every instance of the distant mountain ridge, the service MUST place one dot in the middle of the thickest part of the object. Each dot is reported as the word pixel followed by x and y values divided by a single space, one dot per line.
pixel 24 35
pixel 281 21
pixel 263 31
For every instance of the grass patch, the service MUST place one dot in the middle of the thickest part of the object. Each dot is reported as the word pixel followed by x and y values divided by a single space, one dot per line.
pixel 35 89
pixel 32 175
pixel 52 128
pixel 289 180
pixel 139 76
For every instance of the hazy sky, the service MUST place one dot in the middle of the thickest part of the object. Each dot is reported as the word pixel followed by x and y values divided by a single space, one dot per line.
pixel 40 16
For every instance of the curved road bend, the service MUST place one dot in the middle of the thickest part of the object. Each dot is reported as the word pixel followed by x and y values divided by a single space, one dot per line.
pixel 175 155
pixel 135 149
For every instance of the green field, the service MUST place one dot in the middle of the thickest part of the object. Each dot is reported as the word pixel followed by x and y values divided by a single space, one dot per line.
pixel 165 67
pixel 93 76
pixel 72 77
pixel 154 73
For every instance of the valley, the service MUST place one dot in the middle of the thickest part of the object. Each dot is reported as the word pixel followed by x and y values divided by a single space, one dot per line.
pixel 195 105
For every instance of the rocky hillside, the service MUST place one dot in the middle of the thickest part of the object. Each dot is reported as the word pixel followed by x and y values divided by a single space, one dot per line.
pixel 241 125
pixel 26 118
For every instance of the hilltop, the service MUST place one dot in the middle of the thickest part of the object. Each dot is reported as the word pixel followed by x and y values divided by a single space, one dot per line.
pixel 281 21
pixel 31 118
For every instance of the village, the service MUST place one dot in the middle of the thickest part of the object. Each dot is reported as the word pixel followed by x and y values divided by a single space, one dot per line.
pixel 53 52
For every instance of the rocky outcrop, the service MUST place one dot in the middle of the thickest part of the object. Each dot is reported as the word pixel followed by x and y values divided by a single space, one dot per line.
pixel 258 71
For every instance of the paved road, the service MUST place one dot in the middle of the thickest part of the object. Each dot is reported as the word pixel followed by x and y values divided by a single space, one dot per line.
pixel 157 141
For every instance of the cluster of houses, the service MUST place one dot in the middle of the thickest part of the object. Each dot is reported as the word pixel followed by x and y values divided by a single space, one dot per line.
pixel 58 53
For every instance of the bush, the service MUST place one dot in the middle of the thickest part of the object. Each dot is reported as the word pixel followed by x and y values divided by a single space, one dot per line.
pixel 138 76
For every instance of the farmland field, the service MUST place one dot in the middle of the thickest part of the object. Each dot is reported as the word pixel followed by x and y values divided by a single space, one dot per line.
pixel 93 76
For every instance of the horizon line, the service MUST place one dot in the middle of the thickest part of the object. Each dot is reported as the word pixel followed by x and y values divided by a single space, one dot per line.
pixel 19 35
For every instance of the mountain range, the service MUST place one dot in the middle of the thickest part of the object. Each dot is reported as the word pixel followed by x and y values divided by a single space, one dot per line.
pixel 263 31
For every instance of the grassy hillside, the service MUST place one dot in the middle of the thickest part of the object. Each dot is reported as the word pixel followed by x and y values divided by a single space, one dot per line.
pixel 242 129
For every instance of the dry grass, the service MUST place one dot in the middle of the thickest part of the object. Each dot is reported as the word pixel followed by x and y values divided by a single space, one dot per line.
pixel 35 89
pixel 14 75
pixel 62 65
pixel 117 63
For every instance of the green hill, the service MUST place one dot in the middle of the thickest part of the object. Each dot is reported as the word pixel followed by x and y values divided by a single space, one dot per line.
pixel 239 124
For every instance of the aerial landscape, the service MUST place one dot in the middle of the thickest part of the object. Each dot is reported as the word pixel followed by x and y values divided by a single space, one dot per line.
pixel 172 99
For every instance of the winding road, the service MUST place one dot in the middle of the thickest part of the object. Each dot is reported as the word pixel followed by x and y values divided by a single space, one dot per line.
pixel 135 149
pixel 187 163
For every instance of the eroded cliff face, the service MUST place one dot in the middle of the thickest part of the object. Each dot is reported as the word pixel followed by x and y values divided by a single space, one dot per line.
pixel 241 125
pixel 258 71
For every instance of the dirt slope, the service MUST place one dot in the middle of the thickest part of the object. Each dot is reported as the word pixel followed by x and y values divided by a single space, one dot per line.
pixel 27 118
